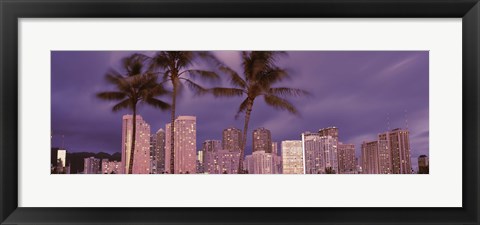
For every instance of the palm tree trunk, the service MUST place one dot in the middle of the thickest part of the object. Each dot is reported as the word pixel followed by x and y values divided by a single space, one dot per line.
pixel 132 145
pixel 244 137
pixel 172 132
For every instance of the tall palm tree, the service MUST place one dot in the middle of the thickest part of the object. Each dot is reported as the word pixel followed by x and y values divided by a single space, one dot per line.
pixel 176 69
pixel 137 85
pixel 260 73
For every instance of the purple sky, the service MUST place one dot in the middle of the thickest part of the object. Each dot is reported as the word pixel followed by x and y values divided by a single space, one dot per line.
pixel 355 91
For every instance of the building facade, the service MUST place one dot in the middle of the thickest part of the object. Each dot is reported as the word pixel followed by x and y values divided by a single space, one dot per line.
pixel 314 153
pixel 330 144
pixel 346 158
pixel 185 152
pixel 263 163
pixel 262 140
pixel 160 150
pixel 232 139
pixel 292 157
pixel 248 164
pixel 423 167
pixel 153 155
pixel 400 151
pixel 370 157
pixel 384 154
pixel 141 159
pixel 211 162
pixel 109 167
pixel 91 165
pixel 228 161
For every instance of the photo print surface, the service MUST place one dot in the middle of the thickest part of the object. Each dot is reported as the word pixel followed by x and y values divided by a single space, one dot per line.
pixel 239 112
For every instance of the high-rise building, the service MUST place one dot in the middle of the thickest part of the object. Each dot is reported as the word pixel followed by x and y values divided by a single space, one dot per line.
pixel 109 167
pixel 399 142
pixel 228 161
pixel 61 161
pixel 330 144
pixel 185 155
pixel 329 131
pixel 62 155
pixel 358 165
pixel 262 140
pixel 232 139
pixel 248 164
pixel 370 157
pixel 263 163
pixel 160 150
pixel 153 155
pixel 91 165
pixel 346 158
pixel 292 157
pixel 384 154
pixel 277 158
pixel 211 163
pixel 314 152
pixel 275 148
pixel 141 157
pixel 168 154
pixel 423 167
pixel 200 168
pixel 278 164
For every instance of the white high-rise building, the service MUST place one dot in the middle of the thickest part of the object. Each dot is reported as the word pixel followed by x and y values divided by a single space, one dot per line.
pixel 185 153
pixel 248 164
pixel 228 161
pixel 398 141
pixel 314 151
pixel 292 157
pixel 141 157
pixel 329 145
pixel 263 163
pixel 62 155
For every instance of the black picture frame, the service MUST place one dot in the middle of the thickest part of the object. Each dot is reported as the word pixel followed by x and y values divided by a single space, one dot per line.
pixel 12 10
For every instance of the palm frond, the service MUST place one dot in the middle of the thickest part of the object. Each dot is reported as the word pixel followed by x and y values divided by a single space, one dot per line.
pixel 157 103
pixel 235 79
pixel 159 90
pixel 184 58
pixel 121 83
pixel 125 104
pixel 196 88
pixel 288 92
pixel 161 60
pixel 272 75
pixel 113 95
pixel 280 103
pixel 226 92
pixel 203 75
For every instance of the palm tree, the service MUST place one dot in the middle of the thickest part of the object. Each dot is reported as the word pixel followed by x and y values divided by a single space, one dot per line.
pixel 175 66
pixel 137 85
pixel 260 73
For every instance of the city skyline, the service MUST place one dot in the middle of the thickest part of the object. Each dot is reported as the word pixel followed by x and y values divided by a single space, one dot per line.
pixel 341 82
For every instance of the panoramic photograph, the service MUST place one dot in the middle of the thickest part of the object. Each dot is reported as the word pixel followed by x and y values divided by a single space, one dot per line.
pixel 239 112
